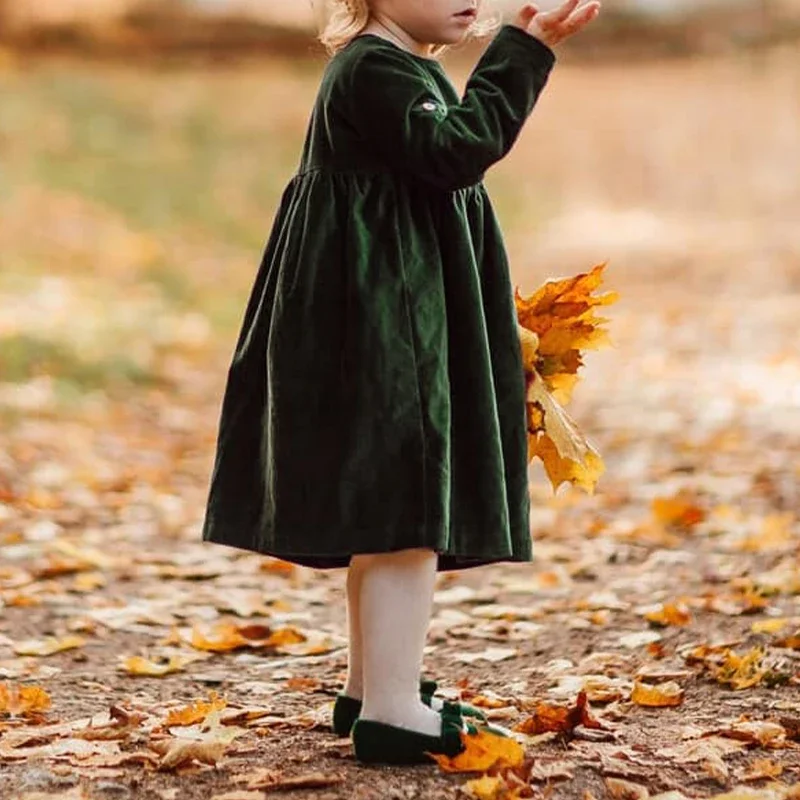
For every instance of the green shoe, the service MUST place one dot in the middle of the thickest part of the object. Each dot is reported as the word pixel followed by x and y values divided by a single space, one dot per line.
pixel 346 709
pixel 379 743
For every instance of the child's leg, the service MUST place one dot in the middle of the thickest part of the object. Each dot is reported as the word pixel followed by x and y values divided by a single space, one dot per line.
pixel 354 686
pixel 395 607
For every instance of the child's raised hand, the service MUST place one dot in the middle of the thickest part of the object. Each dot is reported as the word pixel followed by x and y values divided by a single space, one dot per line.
pixel 551 27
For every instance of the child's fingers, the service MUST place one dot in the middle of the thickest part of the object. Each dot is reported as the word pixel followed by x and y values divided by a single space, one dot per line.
pixel 581 18
pixel 562 12
pixel 526 14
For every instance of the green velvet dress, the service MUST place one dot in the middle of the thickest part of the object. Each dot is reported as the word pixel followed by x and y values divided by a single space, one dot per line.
pixel 375 398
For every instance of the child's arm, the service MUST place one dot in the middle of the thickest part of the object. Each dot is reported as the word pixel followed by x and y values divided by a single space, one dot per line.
pixel 392 105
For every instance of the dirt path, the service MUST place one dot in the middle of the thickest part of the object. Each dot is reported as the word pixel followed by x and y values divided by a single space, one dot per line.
pixel 100 541
pixel 681 573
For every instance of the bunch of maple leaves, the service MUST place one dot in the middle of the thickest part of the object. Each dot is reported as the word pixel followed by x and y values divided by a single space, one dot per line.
pixel 555 324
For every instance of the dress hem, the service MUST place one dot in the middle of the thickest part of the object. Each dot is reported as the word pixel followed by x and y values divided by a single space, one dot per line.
pixel 447 561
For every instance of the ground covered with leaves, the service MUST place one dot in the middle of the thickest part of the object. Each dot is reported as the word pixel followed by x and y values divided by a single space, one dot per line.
pixel 652 648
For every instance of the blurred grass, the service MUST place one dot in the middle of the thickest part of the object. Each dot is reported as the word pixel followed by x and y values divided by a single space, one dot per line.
pixel 135 202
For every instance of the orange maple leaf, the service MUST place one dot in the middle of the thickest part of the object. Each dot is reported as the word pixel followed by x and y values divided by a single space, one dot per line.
pixel 663 694
pixel 559 719
pixel 23 700
pixel 554 325
pixel 483 751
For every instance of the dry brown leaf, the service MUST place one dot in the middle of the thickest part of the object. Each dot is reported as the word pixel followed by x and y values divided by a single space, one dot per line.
pixel 707 752
pixel 275 780
pixel 73 793
pixel 301 683
pixel 552 770
pixel 483 751
pixel 181 751
pixel 23 701
pixel 668 693
pixel 762 768
pixel 766 734
pixel 792 642
pixel 559 719
pixel 122 724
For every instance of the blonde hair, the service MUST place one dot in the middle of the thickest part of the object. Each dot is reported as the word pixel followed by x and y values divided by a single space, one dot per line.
pixel 339 21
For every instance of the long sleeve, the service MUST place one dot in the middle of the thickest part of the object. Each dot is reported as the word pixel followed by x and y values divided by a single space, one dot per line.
pixel 394 109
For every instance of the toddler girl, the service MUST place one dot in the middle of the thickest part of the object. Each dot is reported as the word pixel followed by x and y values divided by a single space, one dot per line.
pixel 374 413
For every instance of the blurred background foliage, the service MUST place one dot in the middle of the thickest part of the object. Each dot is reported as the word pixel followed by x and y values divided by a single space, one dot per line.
pixel 217 26
pixel 144 147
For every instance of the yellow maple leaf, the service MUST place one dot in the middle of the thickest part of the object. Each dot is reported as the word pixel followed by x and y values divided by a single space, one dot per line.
pixel 774 625
pixel 483 751
pixel 223 639
pixel 488 788
pixel 741 671
pixel 47 646
pixel 196 712
pixel 230 636
pixel 566 454
pixel 138 665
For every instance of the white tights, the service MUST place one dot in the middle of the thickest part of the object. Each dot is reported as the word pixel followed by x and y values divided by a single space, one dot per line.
pixel 389 599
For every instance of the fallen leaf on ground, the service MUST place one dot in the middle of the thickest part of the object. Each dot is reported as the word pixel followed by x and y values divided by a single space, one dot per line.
pixel 483 751
pixel 769 625
pixel 741 671
pixel 489 654
pixel 23 700
pixel 275 780
pixel 639 638
pixel 762 768
pixel 552 770
pixel 196 712
pixel 559 719
pixel 626 790
pixel 680 510
pixel 668 693
pixel 205 743
pixel 669 614
pixel 486 788
pixel 179 752
pixel 766 734
pixel 139 665
pixel 48 646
